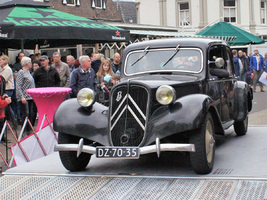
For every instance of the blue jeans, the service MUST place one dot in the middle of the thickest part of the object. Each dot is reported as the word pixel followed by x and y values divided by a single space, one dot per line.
pixel 9 92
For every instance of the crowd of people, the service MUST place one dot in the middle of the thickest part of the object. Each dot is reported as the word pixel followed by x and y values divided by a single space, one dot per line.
pixel 95 72
pixel 250 68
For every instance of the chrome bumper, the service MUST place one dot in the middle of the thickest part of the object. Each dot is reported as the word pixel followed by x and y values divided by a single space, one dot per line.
pixel 143 150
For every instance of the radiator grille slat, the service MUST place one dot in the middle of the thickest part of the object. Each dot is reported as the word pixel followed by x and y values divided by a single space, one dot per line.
pixel 132 120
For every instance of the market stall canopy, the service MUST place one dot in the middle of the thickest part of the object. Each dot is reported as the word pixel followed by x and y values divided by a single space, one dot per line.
pixel 35 23
pixel 222 30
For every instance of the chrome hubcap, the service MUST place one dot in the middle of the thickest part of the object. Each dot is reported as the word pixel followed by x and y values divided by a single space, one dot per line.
pixel 209 141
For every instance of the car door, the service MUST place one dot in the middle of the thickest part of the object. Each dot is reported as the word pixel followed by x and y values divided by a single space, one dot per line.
pixel 228 85
pixel 221 88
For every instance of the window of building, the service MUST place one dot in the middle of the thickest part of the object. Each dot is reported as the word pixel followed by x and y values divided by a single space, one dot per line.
pixel 138 12
pixel 263 12
pixel 184 19
pixel 100 4
pixel 229 10
pixel 162 13
pixel 71 2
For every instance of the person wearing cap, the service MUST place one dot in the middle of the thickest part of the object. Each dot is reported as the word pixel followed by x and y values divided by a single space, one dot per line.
pixel 83 77
pixel 63 70
pixel 46 76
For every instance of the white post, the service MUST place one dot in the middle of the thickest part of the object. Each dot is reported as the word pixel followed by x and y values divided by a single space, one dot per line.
pixel 79 50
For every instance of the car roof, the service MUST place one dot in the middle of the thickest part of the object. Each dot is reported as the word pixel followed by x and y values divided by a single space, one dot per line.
pixel 173 42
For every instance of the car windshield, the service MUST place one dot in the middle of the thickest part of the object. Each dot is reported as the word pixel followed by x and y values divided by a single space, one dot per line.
pixel 186 60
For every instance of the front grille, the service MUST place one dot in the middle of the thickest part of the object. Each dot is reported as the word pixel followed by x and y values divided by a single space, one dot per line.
pixel 128 112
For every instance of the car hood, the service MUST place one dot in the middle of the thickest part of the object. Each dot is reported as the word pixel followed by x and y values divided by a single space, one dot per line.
pixel 154 81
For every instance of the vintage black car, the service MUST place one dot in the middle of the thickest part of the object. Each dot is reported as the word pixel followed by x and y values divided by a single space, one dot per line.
pixel 174 95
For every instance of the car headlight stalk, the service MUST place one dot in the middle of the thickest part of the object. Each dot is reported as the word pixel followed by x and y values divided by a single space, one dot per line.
pixel 165 95
pixel 86 97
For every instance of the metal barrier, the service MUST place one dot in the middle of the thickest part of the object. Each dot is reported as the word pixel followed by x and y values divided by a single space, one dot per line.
pixel 19 139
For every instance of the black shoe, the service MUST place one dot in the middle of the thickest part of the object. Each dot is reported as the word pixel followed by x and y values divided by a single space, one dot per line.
pixel 262 91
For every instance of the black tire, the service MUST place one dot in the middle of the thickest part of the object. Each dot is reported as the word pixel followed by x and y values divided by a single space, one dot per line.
pixel 69 158
pixel 202 159
pixel 241 127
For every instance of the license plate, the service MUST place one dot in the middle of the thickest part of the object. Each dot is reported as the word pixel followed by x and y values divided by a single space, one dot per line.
pixel 117 152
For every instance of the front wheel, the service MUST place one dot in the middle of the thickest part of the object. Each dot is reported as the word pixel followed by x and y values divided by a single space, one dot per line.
pixel 69 159
pixel 241 127
pixel 203 158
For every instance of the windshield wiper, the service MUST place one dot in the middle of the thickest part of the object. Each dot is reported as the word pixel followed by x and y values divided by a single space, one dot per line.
pixel 145 52
pixel 177 49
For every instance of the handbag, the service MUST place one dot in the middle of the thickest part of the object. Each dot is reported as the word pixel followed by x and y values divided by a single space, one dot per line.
pixel 263 79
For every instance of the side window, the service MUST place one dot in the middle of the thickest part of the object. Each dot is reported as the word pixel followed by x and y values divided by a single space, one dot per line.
pixel 215 52
pixel 218 62
pixel 228 61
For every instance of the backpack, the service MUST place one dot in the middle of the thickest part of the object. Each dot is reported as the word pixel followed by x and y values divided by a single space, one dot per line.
pixel 2 85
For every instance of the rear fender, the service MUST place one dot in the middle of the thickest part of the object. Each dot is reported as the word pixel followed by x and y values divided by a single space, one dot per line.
pixel 186 113
pixel 242 101
pixel 92 124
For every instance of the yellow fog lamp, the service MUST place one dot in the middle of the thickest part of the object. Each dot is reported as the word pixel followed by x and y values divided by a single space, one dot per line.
pixel 165 95
pixel 86 97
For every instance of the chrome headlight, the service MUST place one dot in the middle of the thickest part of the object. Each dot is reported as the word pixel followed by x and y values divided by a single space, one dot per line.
pixel 165 95
pixel 86 97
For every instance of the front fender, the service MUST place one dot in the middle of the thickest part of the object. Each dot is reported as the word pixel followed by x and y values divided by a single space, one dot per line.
pixel 241 101
pixel 92 124
pixel 186 113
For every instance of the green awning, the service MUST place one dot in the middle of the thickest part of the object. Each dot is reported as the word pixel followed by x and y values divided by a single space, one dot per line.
pixel 27 23
pixel 222 30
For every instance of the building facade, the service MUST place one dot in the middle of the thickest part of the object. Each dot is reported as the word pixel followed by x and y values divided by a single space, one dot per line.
pixel 190 16
pixel 101 10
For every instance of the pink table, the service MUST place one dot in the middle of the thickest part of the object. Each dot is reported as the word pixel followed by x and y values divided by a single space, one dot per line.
pixel 47 100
